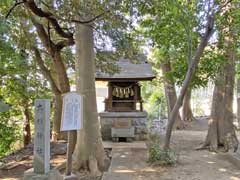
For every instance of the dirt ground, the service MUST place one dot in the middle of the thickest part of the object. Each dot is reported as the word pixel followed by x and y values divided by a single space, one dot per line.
pixel 196 165
pixel 13 166
pixel 192 165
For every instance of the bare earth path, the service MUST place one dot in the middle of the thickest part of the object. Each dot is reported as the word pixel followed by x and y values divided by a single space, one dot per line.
pixel 129 161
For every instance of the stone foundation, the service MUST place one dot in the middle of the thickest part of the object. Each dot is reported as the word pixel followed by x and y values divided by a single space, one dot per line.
pixel 138 119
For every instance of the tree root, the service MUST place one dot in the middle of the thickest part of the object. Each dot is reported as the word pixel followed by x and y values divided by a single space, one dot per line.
pixel 202 146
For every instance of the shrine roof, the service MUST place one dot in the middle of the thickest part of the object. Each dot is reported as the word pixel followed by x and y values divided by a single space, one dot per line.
pixel 141 70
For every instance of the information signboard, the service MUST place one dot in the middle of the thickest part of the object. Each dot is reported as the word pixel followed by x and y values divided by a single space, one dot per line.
pixel 72 112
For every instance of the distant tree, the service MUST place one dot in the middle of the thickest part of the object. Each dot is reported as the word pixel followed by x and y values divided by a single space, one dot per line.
pixel 209 29
pixel 169 83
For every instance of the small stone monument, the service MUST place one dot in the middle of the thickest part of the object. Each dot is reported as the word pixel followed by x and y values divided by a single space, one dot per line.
pixel 42 136
pixel 41 165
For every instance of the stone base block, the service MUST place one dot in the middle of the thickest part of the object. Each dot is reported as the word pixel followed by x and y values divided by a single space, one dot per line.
pixel 138 121
pixel 51 175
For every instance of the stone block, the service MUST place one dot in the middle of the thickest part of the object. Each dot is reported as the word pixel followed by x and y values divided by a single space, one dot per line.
pixel 123 132
pixel 122 123
pixel 42 136
pixel 138 121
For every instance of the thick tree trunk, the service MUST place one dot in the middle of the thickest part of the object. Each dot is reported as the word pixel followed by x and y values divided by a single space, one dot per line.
pixel 60 84
pixel 57 89
pixel 89 152
pixel 187 114
pixel 64 86
pixel 61 73
pixel 188 77
pixel 221 129
pixel 238 102
pixel 57 108
pixel 171 96
pixel 26 128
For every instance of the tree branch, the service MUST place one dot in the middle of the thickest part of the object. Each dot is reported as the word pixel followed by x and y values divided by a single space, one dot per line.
pixel 87 21
pixel 43 35
pixel 46 72
pixel 12 8
pixel 64 43
pixel 48 15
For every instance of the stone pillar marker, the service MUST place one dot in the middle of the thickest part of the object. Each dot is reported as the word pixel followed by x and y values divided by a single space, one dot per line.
pixel 42 136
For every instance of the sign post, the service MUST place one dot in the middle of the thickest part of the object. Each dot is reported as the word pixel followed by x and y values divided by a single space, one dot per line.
pixel 71 120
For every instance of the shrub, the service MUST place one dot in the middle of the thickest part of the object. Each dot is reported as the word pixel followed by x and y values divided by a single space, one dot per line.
pixel 158 156
pixel 9 133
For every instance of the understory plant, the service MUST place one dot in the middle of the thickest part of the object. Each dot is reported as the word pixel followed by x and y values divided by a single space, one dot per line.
pixel 159 156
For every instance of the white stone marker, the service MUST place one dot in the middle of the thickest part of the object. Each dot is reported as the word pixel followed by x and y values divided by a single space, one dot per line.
pixel 42 136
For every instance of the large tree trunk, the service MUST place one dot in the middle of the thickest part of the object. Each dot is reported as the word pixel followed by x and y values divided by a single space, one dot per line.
pixel 57 108
pixel 187 114
pixel 61 72
pixel 89 152
pixel 26 128
pixel 171 96
pixel 187 80
pixel 238 102
pixel 64 86
pixel 57 89
pixel 221 129
pixel 59 75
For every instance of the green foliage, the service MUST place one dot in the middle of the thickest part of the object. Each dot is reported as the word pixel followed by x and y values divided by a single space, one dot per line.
pixel 20 83
pixel 154 99
pixel 9 132
pixel 158 156
pixel 174 28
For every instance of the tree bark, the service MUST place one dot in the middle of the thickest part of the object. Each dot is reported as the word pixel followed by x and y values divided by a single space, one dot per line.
pixel 53 47
pixel 186 82
pixel 187 114
pixel 89 152
pixel 61 72
pixel 64 86
pixel 26 128
pixel 57 108
pixel 238 102
pixel 221 130
pixel 171 96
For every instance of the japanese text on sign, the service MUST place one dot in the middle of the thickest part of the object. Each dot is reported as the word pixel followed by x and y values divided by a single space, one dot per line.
pixel 72 112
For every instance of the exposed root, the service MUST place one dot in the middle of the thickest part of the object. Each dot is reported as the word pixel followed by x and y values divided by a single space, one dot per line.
pixel 93 167
pixel 202 146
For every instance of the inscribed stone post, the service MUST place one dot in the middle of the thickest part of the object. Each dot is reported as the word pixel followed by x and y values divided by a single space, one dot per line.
pixel 42 136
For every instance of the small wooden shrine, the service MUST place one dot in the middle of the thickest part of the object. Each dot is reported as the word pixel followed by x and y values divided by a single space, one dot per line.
pixel 123 106
pixel 123 96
